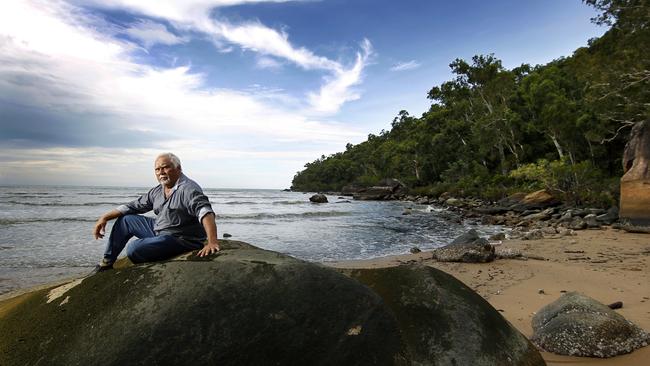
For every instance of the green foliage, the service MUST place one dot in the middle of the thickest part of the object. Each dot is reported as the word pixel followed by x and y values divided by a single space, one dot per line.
pixel 576 183
pixel 491 131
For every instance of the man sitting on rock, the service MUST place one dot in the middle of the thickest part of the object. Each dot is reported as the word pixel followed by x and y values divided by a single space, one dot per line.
pixel 184 219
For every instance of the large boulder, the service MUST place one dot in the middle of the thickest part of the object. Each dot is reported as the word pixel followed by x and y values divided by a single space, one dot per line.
pixel 240 307
pixel 247 306
pixel 318 198
pixel 578 325
pixel 469 248
pixel 635 183
pixel 444 322
pixel 386 189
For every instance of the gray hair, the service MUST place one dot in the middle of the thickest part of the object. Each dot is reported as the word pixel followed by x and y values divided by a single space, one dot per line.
pixel 173 158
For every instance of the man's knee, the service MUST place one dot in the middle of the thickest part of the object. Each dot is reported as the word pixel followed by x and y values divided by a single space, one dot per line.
pixel 135 252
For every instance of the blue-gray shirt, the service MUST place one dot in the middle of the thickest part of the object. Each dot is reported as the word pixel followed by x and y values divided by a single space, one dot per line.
pixel 180 214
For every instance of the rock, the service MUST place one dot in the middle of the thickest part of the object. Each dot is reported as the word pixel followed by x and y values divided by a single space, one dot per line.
pixel 609 217
pixel 591 221
pixel 578 325
pixel 247 306
pixel 286 190
pixel 533 235
pixel 374 194
pixel 513 199
pixel 318 198
pixel 407 211
pixel 540 216
pixel 415 250
pixel 541 199
pixel 444 322
pixel 577 223
pixel 635 183
pixel 507 253
pixel 344 201
pixel 243 306
pixel 453 202
pixel 226 235
pixel 615 305
pixel 351 189
pixel 549 230
pixel 469 248
pixel 497 237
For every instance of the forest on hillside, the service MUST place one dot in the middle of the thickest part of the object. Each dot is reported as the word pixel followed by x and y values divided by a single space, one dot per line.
pixel 491 131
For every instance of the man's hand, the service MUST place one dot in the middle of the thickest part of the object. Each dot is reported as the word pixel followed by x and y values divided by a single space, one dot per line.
pixel 100 228
pixel 100 225
pixel 209 248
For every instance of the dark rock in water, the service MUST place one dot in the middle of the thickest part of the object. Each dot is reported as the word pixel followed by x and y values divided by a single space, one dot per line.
pixel 469 248
pixel 239 307
pixel 226 235
pixel 286 190
pixel 415 250
pixel 247 306
pixel 318 198
pixel 578 325
pixel 444 322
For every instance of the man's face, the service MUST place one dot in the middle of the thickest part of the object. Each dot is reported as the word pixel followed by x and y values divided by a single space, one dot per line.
pixel 166 173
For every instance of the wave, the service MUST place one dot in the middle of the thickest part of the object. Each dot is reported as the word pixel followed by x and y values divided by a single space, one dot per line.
pixel 25 195
pixel 290 202
pixel 271 216
pixel 61 203
pixel 56 219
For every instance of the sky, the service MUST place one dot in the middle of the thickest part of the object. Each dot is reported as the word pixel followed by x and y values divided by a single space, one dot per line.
pixel 245 92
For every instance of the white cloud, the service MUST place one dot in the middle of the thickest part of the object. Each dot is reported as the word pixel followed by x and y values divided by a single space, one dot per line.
pixel 258 38
pixel 403 66
pixel 151 33
pixel 52 61
pixel 337 90
pixel 268 63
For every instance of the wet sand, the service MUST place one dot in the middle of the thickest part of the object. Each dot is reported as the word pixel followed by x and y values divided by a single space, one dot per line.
pixel 608 264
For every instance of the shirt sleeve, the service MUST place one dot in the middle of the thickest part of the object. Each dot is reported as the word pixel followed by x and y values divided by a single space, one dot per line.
pixel 139 206
pixel 198 204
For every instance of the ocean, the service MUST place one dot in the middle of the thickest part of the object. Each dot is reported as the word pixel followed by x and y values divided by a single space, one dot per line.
pixel 46 231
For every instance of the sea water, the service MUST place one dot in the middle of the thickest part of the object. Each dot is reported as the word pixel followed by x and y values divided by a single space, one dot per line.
pixel 46 231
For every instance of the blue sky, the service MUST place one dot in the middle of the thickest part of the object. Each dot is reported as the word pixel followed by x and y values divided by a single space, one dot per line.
pixel 244 92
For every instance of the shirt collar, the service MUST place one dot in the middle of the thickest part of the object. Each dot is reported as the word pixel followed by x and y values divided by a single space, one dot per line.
pixel 181 180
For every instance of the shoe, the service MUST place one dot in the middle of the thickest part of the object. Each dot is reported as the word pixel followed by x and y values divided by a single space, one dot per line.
pixel 104 265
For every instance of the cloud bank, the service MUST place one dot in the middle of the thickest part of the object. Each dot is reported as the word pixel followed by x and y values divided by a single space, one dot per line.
pixel 71 89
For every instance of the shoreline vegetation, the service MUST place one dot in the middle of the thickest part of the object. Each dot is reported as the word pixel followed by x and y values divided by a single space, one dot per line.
pixel 492 131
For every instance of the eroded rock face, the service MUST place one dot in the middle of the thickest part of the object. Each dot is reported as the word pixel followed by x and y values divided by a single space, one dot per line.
pixel 240 307
pixel 578 325
pixel 469 248
pixel 444 322
pixel 635 183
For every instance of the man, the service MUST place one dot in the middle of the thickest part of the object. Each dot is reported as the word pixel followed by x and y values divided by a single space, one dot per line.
pixel 184 219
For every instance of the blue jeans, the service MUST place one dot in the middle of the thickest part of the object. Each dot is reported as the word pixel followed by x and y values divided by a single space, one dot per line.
pixel 148 247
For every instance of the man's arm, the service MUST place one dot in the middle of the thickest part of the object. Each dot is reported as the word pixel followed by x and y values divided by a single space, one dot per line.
pixel 100 225
pixel 211 230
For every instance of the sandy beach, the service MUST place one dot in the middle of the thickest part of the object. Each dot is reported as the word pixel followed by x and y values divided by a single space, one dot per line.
pixel 609 265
